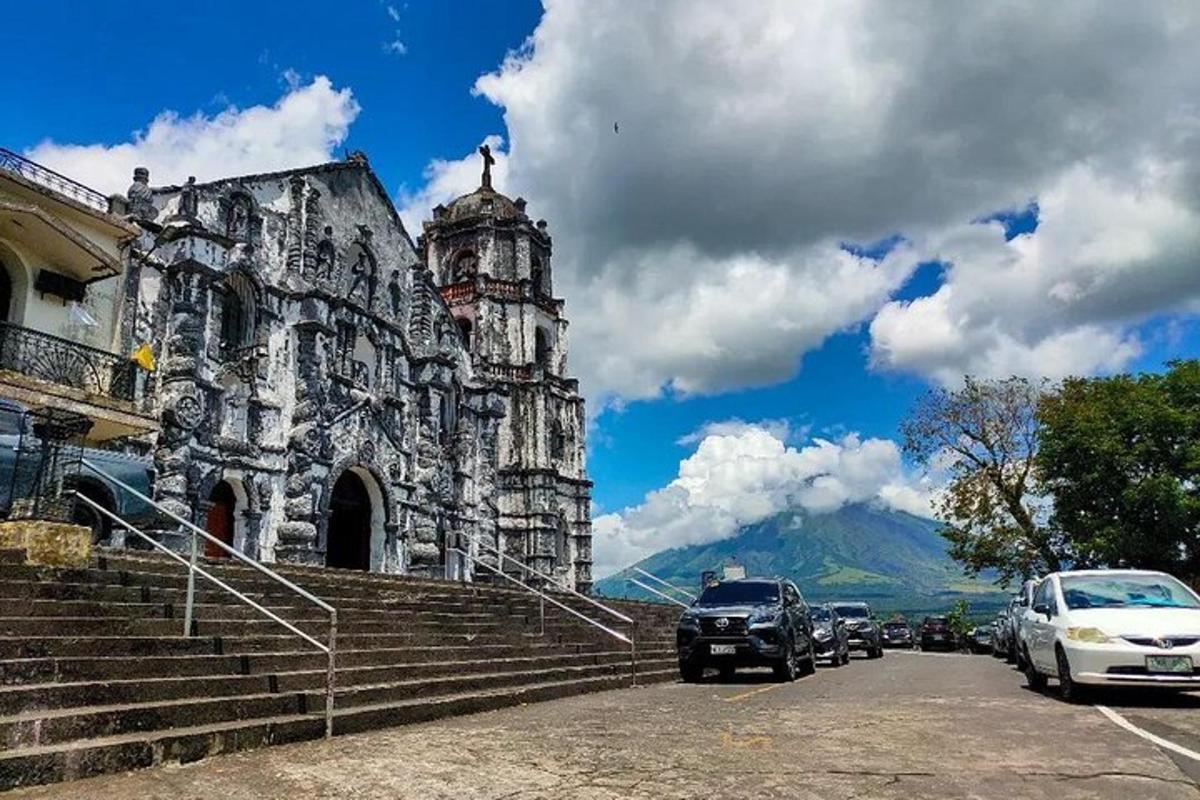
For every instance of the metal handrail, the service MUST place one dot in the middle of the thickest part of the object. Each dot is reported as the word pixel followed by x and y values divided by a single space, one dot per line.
pixel 659 580
pixel 193 569
pixel 562 586
pixel 663 595
pixel 547 598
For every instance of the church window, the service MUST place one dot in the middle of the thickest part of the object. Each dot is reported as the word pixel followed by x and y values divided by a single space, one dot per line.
pixel 558 440
pixel 465 266
pixel 464 328
pixel 541 348
pixel 237 313
pixel 537 275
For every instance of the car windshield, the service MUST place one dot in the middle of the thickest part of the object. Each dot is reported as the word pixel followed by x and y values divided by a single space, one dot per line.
pixel 853 612
pixel 936 621
pixel 1123 591
pixel 896 626
pixel 739 594
pixel 821 615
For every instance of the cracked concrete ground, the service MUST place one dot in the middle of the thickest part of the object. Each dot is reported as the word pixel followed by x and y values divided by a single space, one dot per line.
pixel 908 726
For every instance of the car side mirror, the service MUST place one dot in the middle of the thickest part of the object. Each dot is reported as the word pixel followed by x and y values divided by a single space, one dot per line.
pixel 1041 608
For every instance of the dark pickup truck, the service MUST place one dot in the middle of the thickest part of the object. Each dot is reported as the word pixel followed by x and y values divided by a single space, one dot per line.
pixel 136 471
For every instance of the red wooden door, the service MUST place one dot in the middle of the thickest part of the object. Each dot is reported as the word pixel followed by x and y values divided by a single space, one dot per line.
pixel 219 522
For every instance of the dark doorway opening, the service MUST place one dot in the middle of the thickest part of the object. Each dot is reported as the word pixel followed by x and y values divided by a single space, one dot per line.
pixel 5 293
pixel 220 520
pixel 348 543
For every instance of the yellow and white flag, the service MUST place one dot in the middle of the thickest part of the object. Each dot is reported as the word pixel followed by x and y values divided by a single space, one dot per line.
pixel 144 358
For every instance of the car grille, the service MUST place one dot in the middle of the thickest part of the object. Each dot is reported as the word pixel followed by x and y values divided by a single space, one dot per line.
pixel 736 626
pixel 1151 641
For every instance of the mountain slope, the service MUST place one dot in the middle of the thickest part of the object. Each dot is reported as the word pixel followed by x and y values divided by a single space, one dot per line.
pixel 892 559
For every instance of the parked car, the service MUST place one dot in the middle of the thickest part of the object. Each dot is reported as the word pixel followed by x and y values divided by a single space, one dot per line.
pixel 1017 621
pixel 979 639
pixel 751 622
pixel 862 629
pixel 830 636
pixel 1001 633
pixel 1093 628
pixel 936 634
pixel 25 450
pixel 898 634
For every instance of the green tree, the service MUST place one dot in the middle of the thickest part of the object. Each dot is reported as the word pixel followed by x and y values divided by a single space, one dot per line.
pixel 1121 457
pixel 985 434
pixel 960 619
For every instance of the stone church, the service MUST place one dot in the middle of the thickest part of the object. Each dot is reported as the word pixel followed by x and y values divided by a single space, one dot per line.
pixel 332 392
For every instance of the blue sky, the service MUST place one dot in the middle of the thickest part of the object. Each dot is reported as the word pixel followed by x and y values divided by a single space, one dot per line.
pixel 795 227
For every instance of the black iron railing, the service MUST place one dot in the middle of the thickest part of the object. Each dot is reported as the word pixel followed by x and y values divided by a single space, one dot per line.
pixel 44 176
pixel 57 360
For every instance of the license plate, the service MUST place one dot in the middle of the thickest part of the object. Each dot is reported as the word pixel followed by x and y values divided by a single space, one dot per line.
pixel 723 649
pixel 1171 664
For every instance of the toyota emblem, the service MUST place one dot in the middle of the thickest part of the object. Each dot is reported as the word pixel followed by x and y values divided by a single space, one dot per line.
pixel 722 622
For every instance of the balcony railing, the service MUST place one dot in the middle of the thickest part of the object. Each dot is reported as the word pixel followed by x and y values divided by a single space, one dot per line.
pixel 44 176
pixel 57 360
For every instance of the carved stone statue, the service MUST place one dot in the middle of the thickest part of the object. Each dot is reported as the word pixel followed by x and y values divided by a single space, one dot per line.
pixel 141 199
pixel 325 259
pixel 363 275
pixel 238 226
pixel 189 202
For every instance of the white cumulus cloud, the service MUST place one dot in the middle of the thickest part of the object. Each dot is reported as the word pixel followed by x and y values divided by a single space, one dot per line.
pixel 742 473
pixel 302 127
pixel 700 163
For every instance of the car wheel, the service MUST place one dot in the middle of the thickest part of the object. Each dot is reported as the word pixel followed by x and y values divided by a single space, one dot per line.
pixel 690 673
pixel 785 668
pixel 810 666
pixel 1035 679
pixel 1068 689
pixel 846 656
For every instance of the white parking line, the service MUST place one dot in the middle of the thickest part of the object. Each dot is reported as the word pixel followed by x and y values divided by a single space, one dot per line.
pixel 1166 744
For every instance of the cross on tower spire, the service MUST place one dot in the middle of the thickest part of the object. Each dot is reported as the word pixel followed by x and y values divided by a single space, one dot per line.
pixel 488 160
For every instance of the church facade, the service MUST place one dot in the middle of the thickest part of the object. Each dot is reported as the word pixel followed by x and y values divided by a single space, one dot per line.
pixel 331 392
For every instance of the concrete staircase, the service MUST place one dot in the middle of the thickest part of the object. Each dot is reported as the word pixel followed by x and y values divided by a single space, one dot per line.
pixel 98 678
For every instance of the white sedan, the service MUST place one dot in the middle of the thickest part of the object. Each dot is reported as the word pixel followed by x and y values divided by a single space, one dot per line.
pixel 1112 628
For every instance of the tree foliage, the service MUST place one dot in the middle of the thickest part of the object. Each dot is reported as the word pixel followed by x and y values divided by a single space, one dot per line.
pixel 1121 456
pixel 986 435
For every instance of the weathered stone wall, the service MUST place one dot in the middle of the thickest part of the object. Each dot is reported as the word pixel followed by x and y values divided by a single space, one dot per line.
pixel 299 336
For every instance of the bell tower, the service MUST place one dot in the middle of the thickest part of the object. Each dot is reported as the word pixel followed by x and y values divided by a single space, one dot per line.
pixel 493 266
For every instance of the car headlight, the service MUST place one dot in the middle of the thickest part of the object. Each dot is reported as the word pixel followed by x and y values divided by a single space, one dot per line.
pixel 762 618
pixel 1088 635
pixel 689 621
pixel 823 633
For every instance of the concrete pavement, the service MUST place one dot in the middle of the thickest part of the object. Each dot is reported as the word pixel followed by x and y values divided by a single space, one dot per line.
pixel 911 725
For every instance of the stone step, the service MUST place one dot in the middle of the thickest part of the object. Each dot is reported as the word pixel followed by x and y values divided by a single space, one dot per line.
pixel 91 667
pixel 112 690
pixel 118 753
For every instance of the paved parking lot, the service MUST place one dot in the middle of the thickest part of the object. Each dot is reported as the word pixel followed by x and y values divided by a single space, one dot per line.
pixel 911 725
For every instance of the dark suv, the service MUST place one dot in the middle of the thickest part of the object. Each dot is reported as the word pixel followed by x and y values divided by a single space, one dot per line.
pixel 747 623
pixel 936 634
pixel 864 632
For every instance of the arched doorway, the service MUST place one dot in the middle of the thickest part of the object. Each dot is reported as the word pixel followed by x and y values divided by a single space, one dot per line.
pixel 220 519
pixel 348 540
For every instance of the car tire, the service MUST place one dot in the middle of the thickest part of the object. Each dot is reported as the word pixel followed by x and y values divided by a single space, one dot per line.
pixel 690 673
pixel 1034 679
pixel 785 668
pixel 1068 689
pixel 810 666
